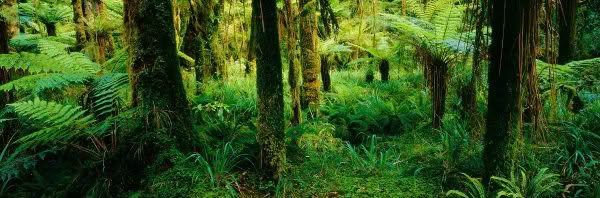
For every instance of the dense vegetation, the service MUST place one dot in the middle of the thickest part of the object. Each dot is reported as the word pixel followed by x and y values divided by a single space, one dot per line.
pixel 322 98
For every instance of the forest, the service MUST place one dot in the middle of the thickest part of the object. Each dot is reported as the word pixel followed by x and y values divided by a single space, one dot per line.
pixel 300 98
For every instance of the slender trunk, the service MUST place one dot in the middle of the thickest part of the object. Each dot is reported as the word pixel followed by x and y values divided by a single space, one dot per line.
pixel 104 38
pixel 294 64
pixel 384 70
pixel 251 56
pixel 311 63
pixel 269 82
pixel 78 18
pixel 567 14
pixel 51 29
pixel 325 76
pixel 512 35
pixel 439 87
pixel 469 96
pixel 155 77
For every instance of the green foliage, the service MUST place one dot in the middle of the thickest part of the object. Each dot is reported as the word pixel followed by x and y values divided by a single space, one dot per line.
pixel 107 93
pixel 373 161
pixel 59 123
pixel 475 189
pixel 543 184
pixel 45 13
pixel 219 164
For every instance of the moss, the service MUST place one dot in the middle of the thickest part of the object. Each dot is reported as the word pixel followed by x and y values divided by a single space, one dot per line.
pixel 269 83
pixel 311 60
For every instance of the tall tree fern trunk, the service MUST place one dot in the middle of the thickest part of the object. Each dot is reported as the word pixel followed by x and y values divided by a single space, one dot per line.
pixel 51 29
pixel 469 95
pixel 163 114
pixel 311 63
pixel 104 38
pixel 293 65
pixel 512 30
pixel 567 19
pixel 78 18
pixel 269 83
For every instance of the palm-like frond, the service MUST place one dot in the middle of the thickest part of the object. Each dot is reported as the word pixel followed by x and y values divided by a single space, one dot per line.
pixel 60 123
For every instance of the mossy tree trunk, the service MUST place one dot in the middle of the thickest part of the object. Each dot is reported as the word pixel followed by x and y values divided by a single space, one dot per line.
pixel 163 115
pixel 469 93
pixel 513 35
pixel 79 19
pixel 439 88
pixel 294 64
pixel 269 83
pixel 103 38
pixel 202 39
pixel 311 63
pixel 567 19
pixel 325 73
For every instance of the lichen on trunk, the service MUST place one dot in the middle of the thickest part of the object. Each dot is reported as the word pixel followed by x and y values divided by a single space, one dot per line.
pixel 269 83
pixel 155 78
pixel 311 60
pixel 293 64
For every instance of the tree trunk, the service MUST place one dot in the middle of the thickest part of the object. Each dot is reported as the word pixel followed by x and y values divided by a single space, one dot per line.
pixel 155 77
pixel 439 88
pixel 51 29
pixel 202 39
pixel 384 70
pixel 567 14
pixel 294 64
pixel 325 76
pixel 251 56
pixel 78 18
pixel 513 35
pixel 469 96
pixel 311 63
pixel 104 39
pixel 269 82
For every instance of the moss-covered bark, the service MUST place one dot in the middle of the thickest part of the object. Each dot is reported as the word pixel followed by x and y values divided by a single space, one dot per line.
pixel 103 38
pixel 202 39
pixel 269 84
pixel 78 18
pixel 155 77
pixel 311 60
pixel 512 30
pixel 293 65
pixel 567 16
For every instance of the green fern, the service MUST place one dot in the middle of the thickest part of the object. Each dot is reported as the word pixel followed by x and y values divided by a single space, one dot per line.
pixel 475 187
pixel 59 123
pixel 106 92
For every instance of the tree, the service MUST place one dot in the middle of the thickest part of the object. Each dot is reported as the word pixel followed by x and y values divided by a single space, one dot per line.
pixel 100 29
pixel 567 15
pixel 202 39
pixel 78 18
pixel 156 82
pixel 293 65
pixel 514 24
pixel 311 60
pixel 269 85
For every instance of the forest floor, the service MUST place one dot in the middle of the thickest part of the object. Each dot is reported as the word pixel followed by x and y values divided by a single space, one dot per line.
pixel 372 140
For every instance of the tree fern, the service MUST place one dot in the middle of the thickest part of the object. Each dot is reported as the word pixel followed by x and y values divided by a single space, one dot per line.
pixel 60 123
pixel 106 93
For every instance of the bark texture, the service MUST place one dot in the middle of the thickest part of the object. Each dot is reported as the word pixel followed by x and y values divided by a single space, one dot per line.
pixel 79 20
pixel 293 65
pixel 269 85
pixel 202 39
pixel 311 60
pixel 512 29
pixel 156 82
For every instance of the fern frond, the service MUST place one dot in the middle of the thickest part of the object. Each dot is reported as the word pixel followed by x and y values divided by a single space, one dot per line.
pixel 60 123
pixel 106 92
